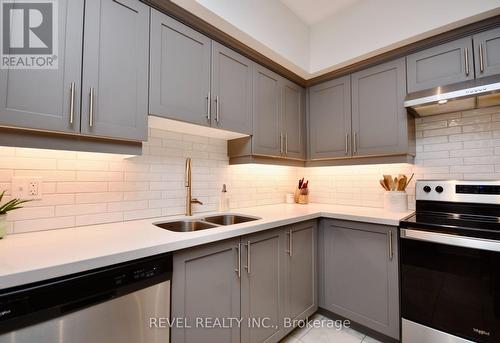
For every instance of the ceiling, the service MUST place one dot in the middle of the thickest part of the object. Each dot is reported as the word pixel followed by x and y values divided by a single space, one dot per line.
pixel 313 11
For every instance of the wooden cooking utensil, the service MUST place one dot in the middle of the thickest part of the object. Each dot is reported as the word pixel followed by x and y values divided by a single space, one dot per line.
pixel 384 186
pixel 389 182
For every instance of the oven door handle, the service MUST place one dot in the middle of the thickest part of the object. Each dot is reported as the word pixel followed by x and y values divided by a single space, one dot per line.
pixel 444 238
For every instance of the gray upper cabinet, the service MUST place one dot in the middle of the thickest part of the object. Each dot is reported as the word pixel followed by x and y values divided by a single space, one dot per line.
pixel 487 53
pixel 380 123
pixel 205 285
pixel 267 137
pixel 115 69
pixel 42 99
pixel 441 65
pixel 179 71
pixel 301 276
pixel 330 119
pixel 262 286
pixel 359 267
pixel 231 90
pixel 293 120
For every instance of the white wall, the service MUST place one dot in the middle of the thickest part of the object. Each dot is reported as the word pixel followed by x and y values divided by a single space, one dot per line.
pixel 370 27
pixel 82 188
pixel 365 29
pixel 267 26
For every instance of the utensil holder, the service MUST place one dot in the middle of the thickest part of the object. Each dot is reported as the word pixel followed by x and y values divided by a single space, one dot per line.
pixel 396 201
pixel 296 195
pixel 303 199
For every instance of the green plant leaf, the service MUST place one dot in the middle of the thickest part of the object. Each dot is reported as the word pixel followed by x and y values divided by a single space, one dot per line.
pixel 11 205
pixel 1 195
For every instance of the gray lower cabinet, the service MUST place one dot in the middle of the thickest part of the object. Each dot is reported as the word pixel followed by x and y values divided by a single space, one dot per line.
pixel 231 90
pixel 330 119
pixel 358 267
pixel 301 285
pixel 263 287
pixel 380 123
pixel 41 99
pixel 206 285
pixel 115 69
pixel 441 65
pixel 179 71
pixel 267 137
pixel 261 279
pixel 293 120
pixel 487 53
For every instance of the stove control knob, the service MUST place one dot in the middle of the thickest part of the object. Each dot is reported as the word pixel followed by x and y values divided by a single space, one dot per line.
pixel 427 189
pixel 439 189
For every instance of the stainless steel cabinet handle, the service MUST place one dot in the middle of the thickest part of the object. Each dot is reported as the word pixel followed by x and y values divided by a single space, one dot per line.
pixel 281 143
pixel 286 144
pixel 466 52
pixel 91 107
pixel 391 250
pixel 354 142
pixel 346 143
pixel 481 60
pixel 238 269
pixel 290 242
pixel 247 267
pixel 209 100
pixel 217 109
pixel 72 103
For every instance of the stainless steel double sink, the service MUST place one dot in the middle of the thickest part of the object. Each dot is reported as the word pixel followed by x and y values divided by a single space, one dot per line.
pixel 189 225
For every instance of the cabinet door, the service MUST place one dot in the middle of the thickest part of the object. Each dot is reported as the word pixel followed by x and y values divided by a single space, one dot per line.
pixel 205 285
pixel 301 276
pixel 293 119
pixel 330 119
pixel 262 287
pixel 379 119
pixel 360 274
pixel 232 90
pixel 41 99
pixel 180 71
pixel 267 120
pixel 115 69
pixel 487 53
pixel 441 65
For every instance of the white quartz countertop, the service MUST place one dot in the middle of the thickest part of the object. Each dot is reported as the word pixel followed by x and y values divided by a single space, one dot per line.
pixel 31 257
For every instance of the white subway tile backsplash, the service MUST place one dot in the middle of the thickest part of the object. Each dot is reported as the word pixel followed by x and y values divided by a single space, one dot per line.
pixel 471 152
pixel 21 226
pixel 442 132
pixel 100 218
pixel 82 187
pixel 462 145
pixel 87 188
pixel 79 209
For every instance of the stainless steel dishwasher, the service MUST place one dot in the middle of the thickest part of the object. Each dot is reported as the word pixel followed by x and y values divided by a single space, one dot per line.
pixel 121 303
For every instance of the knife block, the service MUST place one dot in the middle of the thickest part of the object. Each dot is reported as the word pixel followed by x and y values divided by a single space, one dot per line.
pixel 301 198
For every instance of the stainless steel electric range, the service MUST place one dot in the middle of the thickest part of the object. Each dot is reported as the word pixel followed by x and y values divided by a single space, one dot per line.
pixel 450 263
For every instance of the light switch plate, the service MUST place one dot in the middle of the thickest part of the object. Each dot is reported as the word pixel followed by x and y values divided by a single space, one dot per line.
pixel 27 187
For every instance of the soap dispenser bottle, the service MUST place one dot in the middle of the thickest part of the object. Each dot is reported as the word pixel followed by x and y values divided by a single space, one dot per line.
pixel 224 199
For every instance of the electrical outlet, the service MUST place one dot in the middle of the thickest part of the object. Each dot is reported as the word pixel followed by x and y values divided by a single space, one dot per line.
pixel 27 187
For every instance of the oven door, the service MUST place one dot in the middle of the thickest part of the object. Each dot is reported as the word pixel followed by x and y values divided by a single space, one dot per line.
pixel 450 288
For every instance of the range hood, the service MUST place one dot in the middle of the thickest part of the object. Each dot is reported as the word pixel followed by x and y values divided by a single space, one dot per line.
pixel 467 95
